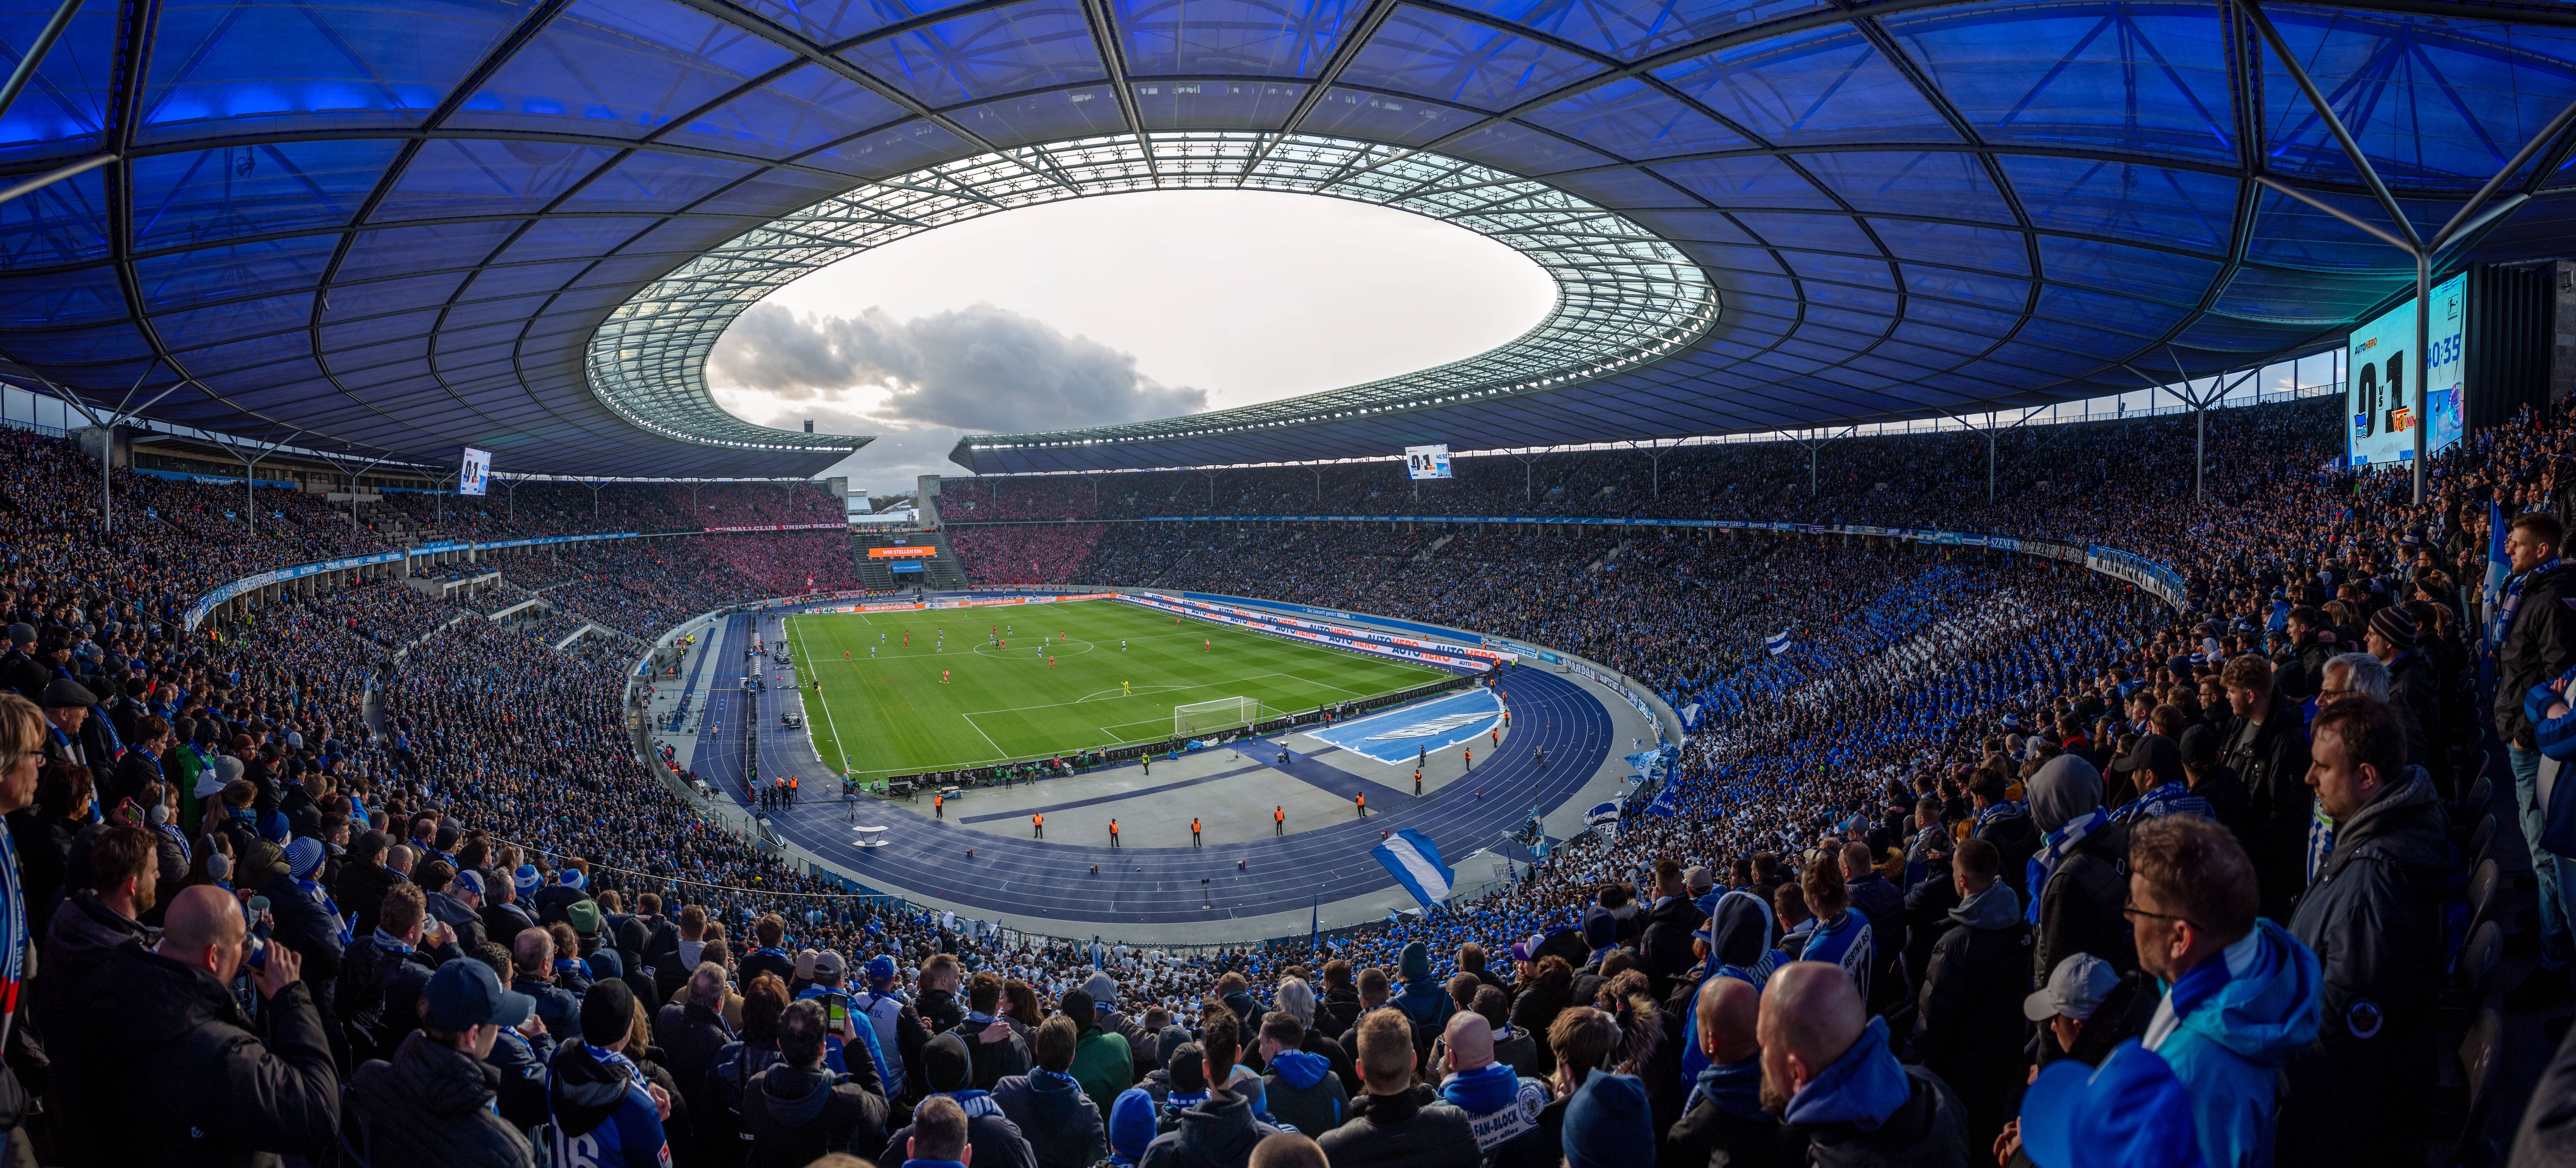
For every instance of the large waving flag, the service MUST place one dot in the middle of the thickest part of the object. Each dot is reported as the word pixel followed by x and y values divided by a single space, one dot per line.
pixel 1779 644
pixel 2499 565
pixel 1415 861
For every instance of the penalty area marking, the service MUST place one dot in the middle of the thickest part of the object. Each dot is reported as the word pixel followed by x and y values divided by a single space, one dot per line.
pixel 1070 648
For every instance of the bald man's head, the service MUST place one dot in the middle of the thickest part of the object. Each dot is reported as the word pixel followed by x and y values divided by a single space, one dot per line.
pixel 1811 1015
pixel 1730 1011
pixel 1470 1039
pixel 204 930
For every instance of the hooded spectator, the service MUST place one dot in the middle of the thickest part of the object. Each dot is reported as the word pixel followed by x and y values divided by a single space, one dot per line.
pixel 1607 1124
pixel 2244 992
pixel 1424 999
pixel 691 1031
pixel 1061 1123
pixel 2130 1112
pixel 2374 921
pixel 1297 998
pixel 797 1110
pixel 2074 878
pixel 1300 1088
pixel 1723 1120
pixel 1828 1072
pixel 1131 1126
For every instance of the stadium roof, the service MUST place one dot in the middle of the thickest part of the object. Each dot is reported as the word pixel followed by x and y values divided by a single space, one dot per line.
pixel 407 228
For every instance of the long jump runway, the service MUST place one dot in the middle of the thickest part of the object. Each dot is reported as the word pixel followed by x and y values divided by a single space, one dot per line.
pixel 1026 878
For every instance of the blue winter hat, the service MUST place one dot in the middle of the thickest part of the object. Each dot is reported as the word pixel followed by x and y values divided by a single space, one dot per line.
pixel 572 878
pixel 2131 1112
pixel 1131 1125
pixel 273 827
pixel 1607 1124
pixel 524 879
pixel 880 969
pixel 304 857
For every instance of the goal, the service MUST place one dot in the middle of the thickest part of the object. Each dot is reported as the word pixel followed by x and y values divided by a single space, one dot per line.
pixel 1200 718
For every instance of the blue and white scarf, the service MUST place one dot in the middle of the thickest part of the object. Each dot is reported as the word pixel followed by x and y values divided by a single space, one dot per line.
pixel 13 933
pixel 2512 605
pixel 2053 849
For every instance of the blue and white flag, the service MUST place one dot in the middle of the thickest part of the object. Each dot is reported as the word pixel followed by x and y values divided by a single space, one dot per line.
pixel 1602 813
pixel 1411 856
pixel 1690 715
pixel 1779 644
pixel 2499 566
pixel 1667 801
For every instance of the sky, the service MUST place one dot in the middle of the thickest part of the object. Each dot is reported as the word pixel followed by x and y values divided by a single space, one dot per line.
pixel 1114 309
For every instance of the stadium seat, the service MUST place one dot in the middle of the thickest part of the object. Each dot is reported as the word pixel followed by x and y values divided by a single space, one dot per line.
pixel 2473 971
pixel 2481 839
pixel 2480 1054
pixel 2474 802
pixel 2486 896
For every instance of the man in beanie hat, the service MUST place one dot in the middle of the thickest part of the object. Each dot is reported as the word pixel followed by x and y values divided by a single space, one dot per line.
pixel 947 1071
pixel 554 900
pixel 306 920
pixel 432 1104
pixel 797 1111
pixel 1398 1124
pixel 895 1036
pixel 460 904
pixel 503 919
pixel 1607 1123
pixel 20 672
pixel 1424 999
pixel 1131 1126
pixel 605 1114
pixel 2413 686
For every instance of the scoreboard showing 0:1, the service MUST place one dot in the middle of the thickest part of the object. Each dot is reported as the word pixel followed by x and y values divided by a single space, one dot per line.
pixel 2391 391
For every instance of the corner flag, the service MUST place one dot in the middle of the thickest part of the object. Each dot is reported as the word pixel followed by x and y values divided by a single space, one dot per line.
pixel 1415 862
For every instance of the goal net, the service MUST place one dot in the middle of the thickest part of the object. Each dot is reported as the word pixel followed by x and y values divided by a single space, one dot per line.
pixel 1202 718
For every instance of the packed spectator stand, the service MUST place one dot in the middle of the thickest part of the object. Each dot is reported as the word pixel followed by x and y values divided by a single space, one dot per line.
pixel 2000 861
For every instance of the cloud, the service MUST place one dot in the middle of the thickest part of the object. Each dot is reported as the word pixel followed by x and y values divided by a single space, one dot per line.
pixel 977 368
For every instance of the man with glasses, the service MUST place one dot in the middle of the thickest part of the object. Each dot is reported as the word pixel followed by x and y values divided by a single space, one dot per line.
pixel 2242 994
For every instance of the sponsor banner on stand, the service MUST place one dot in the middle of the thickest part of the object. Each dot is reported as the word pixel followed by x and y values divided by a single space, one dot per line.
pixel 1271 625
pixel 196 613
pixel 777 527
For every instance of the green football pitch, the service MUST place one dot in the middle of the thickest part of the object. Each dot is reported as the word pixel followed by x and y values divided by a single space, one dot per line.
pixel 1119 669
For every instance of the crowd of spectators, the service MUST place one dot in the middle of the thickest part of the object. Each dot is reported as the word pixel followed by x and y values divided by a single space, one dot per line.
pixel 1997 859
pixel 1024 555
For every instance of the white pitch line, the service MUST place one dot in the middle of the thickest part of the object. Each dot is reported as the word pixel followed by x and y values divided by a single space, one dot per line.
pixel 799 634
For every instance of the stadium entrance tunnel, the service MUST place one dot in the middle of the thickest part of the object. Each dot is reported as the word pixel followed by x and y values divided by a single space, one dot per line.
pixel 1625 296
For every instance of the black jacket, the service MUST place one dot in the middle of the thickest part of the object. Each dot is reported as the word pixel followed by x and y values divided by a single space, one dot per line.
pixel 1336 1012
pixel 2018 839
pixel 992 1059
pixel 1533 1012
pixel 219 1093
pixel 992 1134
pixel 2271 759
pixel 2539 647
pixel 2079 909
pixel 502 924
pixel 2374 920
pixel 314 934
pixel 690 1036
pixel 467 922
pixel 1927 1131
pixel 1666 947
pixel 80 944
pixel 796 1116
pixel 1710 1136
pixel 361 893
pixel 431 1106
pixel 1219 1132
pixel 379 993
pixel 1062 1124
pixel 1970 1024
pixel 1415 1129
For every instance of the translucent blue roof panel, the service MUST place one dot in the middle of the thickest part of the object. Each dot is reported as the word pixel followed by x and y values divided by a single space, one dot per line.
pixel 519 224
